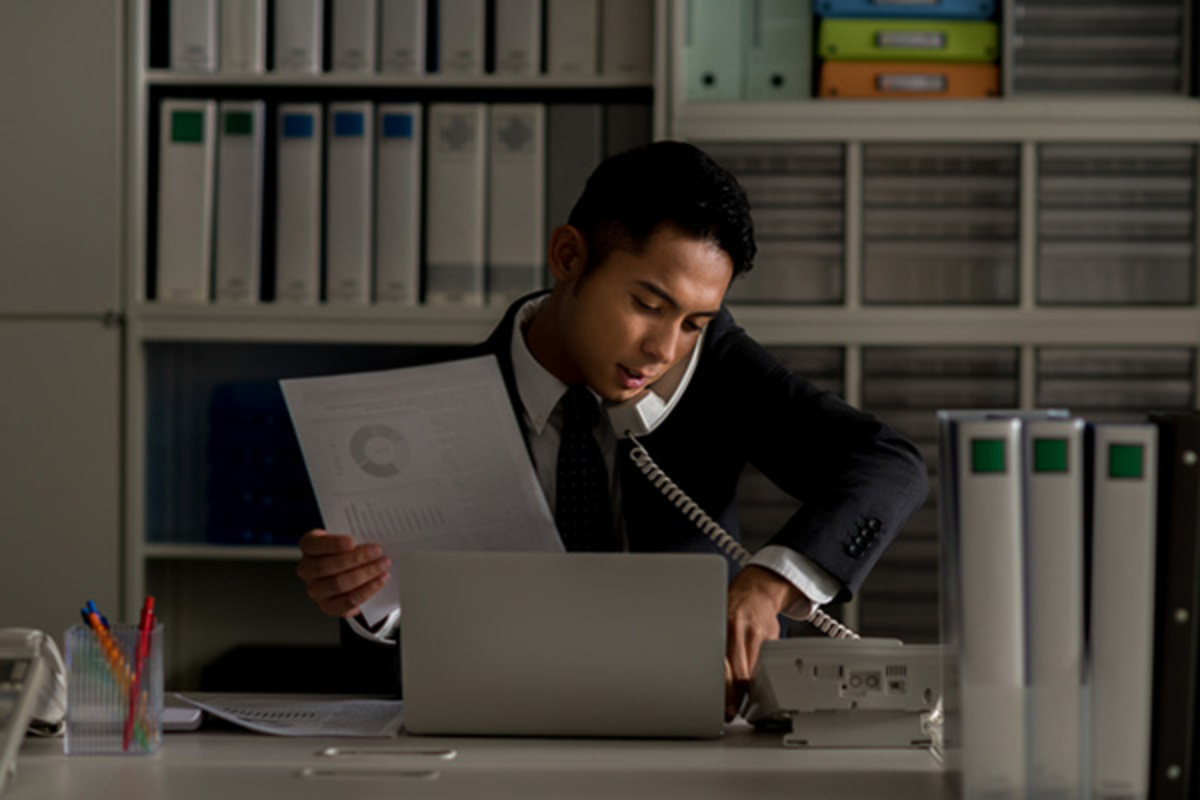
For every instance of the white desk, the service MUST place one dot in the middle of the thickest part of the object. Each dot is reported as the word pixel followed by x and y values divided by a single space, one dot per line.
pixel 229 765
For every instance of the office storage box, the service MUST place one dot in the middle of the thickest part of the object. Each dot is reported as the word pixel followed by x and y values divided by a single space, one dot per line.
pixel 798 193
pixel 789 271
pixel 907 40
pixel 936 9
pixel 1116 224
pixel 940 223
pixel 936 273
pixel 1106 46
pixel 1116 384
pixel 908 80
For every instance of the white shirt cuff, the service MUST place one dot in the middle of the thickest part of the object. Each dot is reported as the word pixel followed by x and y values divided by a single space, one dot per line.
pixel 814 583
pixel 383 633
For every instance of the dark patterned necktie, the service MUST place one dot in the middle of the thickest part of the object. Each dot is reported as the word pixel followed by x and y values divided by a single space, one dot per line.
pixel 583 510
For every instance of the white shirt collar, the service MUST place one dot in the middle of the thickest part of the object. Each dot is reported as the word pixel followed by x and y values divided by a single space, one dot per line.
pixel 538 389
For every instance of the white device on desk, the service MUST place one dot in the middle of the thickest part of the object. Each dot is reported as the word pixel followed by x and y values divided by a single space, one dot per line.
pixel 33 692
pixel 875 693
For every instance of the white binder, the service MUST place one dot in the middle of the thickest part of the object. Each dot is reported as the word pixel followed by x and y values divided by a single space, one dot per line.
pixel 455 204
pixel 244 36
pixel 398 165
pixel 627 37
pixel 187 157
pixel 298 204
pixel 572 37
pixel 713 50
pixel 1054 555
pixel 354 36
pixel 461 36
pixel 518 40
pixel 298 32
pixel 402 36
pixel 516 219
pixel 348 211
pixel 1122 607
pixel 986 535
pixel 779 50
pixel 239 201
pixel 194 35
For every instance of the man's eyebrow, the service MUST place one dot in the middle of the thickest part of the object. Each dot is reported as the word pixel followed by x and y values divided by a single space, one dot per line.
pixel 661 293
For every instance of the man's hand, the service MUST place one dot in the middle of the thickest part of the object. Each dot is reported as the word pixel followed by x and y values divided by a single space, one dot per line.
pixel 338 574
pixel 756 596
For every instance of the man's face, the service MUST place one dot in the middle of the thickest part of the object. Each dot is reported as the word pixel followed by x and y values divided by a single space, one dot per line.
pixel 635 315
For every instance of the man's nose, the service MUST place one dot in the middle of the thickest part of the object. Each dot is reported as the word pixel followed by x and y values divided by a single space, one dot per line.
pixel 660 343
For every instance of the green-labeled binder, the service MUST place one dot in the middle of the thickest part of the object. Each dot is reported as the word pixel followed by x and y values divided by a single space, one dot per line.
pixel 907 40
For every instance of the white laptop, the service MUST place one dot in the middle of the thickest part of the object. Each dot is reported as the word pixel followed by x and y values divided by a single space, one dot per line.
pixel 563 644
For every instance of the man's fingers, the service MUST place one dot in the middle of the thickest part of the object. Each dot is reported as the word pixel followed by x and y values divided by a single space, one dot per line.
pixel 745 641
pixel 349 604
pixel 317 567
pixel 346 582
pixel 322 543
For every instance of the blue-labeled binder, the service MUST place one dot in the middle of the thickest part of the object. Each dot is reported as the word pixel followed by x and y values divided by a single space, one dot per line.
pixel 924 9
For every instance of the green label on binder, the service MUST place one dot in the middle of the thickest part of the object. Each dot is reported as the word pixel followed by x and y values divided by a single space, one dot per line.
pixel 1049 455
pixel 187 127
pixel 1125 461
pixel 239 123
pixel 988 455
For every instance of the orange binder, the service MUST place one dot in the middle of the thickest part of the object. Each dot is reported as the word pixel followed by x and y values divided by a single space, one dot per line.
pixel 905 80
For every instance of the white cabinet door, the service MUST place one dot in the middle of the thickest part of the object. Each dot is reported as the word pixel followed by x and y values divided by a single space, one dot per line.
pixel 59 471
pixel 60 155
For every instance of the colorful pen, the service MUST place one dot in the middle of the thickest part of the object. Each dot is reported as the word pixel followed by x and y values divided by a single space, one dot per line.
pixel 112 653
pixel 144 627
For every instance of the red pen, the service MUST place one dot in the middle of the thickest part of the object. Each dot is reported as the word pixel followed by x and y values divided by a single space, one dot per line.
pixel 145 625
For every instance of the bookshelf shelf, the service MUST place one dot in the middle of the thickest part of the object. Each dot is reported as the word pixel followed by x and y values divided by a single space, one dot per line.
pixel 369 81
pixel 213 552
pixel 1115 118
pixel 316 324
pixel 782 325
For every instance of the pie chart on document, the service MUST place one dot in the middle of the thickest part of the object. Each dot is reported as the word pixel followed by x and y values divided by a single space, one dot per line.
pixel 379 450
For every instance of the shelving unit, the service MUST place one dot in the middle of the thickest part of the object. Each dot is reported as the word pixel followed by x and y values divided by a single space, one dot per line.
pixel 896 356
pixel 221 595
pixel 175 354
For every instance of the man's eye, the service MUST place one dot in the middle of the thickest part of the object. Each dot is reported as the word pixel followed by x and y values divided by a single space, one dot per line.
pixel 693 327
pixel 643 305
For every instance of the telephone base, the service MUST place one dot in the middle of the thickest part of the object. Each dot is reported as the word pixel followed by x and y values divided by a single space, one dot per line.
pixel 864 729
pixel 869 693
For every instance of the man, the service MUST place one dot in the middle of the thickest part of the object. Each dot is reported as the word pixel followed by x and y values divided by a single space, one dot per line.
pixel 640 273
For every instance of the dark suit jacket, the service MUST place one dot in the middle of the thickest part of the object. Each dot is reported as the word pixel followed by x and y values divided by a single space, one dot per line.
pixel 857 479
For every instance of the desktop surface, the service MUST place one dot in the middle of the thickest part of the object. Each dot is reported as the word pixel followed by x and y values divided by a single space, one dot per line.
pixel 226 764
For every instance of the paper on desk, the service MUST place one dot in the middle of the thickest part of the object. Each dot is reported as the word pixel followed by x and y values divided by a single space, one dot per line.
pixel 421 458
pixel 311 716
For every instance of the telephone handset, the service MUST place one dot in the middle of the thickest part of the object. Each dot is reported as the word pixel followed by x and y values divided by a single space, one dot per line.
pixel 33 692
pixel 644 413
pixel 640 416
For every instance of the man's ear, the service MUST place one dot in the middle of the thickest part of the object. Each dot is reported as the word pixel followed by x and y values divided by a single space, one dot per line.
pixel 566 255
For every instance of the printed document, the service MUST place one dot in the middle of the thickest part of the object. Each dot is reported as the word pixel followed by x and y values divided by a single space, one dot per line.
pixel 420 458
pixel 282 715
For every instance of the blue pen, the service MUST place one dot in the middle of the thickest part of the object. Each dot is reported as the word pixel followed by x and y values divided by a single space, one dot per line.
pixel 90 608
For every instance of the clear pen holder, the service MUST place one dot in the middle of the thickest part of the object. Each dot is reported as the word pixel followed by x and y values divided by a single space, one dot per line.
pixel 109 709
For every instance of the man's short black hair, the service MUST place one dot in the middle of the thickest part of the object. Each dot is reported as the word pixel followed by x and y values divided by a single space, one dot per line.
pixel 633 194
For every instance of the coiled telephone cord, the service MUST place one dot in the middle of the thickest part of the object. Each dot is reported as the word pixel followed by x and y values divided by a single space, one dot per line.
pixel 718 535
